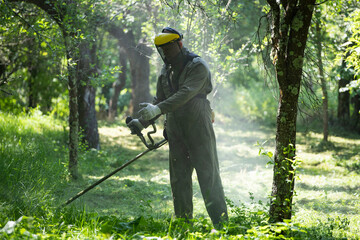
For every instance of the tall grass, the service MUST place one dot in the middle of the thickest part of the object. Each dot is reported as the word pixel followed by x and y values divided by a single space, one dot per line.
pixel 33 162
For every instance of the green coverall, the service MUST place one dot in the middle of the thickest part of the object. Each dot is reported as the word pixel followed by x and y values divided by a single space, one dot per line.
pixel 191 137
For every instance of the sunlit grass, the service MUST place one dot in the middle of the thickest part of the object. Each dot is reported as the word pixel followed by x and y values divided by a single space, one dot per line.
pixel 246 176
pixel 326 189
pixel 243 171
pixel 137 201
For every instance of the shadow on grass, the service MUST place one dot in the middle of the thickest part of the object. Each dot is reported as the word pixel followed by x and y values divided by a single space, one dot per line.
pixel 314 170
pixel 353 167
pixel 346 153
pixel 130 191
pixel 315 145
pixel 123 196
pixel 329 188
pixel 335 129
pixel 321 198
pixel 346 206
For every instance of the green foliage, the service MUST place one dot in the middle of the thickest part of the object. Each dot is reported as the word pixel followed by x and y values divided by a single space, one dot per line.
pixel 353 43
pixel 60 108
pixel 257 103
pixel 332 228
pixel 32 52
pixel 107 75
pixel 263 152
pixel 10 104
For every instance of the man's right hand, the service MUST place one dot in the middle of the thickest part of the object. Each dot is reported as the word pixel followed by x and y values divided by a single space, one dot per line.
pixel 149 111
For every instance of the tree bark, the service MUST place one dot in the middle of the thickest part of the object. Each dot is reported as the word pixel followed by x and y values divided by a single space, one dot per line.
pixel 73 107
pixel 86 69
pixel 343 108
pixel 289 26
pixel 2 72
pixel 355 116
pixel 32 68
pixel 139 66
pixel 140 73
pixel 325 115
pixel 32 93
pixel 118 85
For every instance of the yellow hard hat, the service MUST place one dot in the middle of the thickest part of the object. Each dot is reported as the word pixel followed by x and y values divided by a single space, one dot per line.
pixel 162 39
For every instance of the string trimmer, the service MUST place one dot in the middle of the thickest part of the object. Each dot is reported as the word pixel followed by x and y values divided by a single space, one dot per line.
pixel 151 145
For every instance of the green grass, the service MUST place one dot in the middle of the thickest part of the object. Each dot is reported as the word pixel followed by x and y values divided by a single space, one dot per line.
pixel 328 184
pixel 136 203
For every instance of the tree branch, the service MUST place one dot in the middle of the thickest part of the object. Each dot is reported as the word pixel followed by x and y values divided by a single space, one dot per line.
pixel 55 13
pixel 316 4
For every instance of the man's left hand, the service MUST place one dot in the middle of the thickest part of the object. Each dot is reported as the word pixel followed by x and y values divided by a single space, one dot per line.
pixel 149 111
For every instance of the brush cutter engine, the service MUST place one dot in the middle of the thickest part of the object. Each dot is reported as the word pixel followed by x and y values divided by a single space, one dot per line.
pixel 136 130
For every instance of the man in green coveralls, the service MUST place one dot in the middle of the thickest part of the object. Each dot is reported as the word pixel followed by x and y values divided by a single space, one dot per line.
pixel 182 86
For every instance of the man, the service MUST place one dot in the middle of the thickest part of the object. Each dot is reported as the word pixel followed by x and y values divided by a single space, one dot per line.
pixel 182 87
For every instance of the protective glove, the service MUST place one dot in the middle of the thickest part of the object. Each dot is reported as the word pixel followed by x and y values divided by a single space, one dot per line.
pixel 149 111
pixel 135 126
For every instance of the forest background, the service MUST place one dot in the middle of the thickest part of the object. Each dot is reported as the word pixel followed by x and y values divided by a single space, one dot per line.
pixel 71 71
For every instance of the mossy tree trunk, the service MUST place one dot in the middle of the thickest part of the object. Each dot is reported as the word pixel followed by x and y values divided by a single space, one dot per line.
pixel 73 110
pixel 290 21
pixel 68 25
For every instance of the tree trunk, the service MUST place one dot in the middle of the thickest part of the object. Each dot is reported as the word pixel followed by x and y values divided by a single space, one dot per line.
pixel 140 73
pixel 2 72
pixel 343 108
pixel 32 91
pixel 118 85
pixel 31 65
pixel 325 115
pixel 355 117
pixel 86 97
pixel 138 55
pixel 289 26
pixel 73 108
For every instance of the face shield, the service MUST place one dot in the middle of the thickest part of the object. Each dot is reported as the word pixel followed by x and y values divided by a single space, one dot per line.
pixel 165 44
pixel 162 54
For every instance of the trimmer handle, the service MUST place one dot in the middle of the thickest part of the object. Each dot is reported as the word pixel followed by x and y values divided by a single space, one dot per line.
pixel 128 119
pixel 135 130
